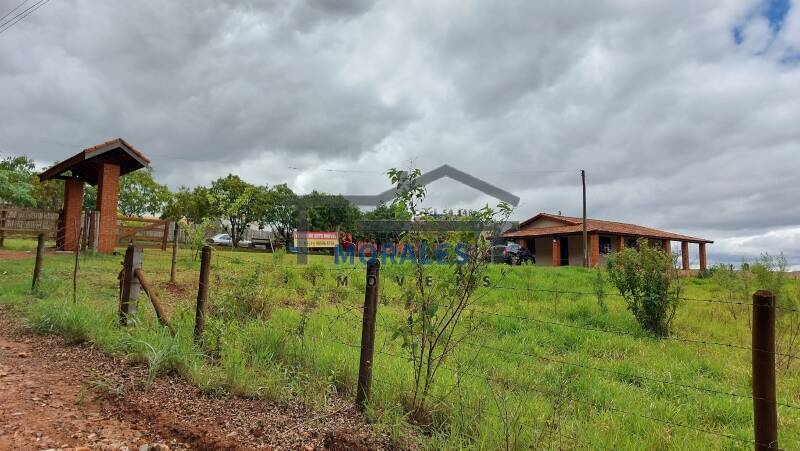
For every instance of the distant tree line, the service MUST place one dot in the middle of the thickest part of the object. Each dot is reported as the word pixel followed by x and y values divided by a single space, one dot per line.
pixel 231 200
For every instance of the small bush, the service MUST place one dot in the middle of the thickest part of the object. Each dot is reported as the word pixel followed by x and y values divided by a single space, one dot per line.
pixel 648 281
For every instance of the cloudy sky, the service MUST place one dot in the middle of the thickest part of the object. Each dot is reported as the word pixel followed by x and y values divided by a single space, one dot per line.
pixel 685 114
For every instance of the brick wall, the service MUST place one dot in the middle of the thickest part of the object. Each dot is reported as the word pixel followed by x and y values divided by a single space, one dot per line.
pixel 556 252
pixel 107 197
pixel 594 249
pixel 73 201
pixel 685 254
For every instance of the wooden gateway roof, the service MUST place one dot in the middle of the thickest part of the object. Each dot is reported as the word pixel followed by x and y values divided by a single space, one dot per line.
pixel 84 164
pixel 571 225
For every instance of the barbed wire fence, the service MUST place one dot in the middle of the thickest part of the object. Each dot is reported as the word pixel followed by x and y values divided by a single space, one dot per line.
pixel 379 358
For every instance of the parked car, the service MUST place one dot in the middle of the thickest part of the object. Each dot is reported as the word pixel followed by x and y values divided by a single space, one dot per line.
pixel 223 239
pixel 512 254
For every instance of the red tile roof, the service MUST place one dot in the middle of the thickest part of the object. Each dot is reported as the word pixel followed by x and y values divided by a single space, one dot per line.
pixel 116 151
pixel 572 225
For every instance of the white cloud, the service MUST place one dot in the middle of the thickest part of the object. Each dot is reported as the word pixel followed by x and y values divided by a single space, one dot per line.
pixel 677 125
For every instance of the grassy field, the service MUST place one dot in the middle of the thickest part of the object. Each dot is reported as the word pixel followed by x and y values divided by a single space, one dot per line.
pixel 549 367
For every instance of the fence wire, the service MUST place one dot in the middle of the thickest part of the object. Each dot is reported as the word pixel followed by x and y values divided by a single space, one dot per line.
pixel 353 314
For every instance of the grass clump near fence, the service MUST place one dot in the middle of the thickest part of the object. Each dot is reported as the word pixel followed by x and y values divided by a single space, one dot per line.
pixel 546 366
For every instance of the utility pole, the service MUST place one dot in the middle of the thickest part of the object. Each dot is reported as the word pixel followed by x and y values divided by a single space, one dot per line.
pixel 585 236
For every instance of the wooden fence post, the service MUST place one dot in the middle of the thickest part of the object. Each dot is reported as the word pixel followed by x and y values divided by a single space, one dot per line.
pixel 2 226
pixel 765 410
pixel 37 268
pixel 165 236
pixel 202 292
pixel 368 334
pixel 172 269
pixel 130 284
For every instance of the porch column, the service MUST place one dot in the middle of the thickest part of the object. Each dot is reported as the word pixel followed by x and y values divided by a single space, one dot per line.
pixel 73 201
pixel 703 265
pixel 620 243
pixel 107 197
pixel 556 252
pixel 667 246
pixel 594 249
pixel 685 254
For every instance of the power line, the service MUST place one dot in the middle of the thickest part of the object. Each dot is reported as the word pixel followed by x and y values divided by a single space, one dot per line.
pixel 16 8
pixel 22 15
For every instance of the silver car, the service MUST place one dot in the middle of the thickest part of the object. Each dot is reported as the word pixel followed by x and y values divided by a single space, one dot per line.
pixel 223 239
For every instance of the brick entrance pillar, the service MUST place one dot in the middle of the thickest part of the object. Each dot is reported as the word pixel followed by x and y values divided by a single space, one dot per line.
pixel 107 196
pixel 73 201
pixel 556 252
pixel 667 246
pixel 594 249
pixel 702 256
pixel 685 254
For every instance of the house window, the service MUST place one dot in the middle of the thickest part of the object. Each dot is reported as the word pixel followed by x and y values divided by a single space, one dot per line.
pixel 605 244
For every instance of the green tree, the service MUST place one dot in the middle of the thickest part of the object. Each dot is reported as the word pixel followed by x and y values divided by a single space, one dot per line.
pixel 646 278
pixel 383 212
pixel 237 202
pixel 325 212
pixel 49 194
pixel 16 181
pixel 139 194
pixel 280 211
pixel 194 205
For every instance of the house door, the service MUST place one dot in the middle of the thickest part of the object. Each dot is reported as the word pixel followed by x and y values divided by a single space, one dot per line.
pixel 563 244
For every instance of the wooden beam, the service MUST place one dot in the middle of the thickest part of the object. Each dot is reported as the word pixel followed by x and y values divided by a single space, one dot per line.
pixel 162 318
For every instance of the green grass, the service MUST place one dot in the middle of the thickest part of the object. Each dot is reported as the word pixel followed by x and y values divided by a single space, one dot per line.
pixel 540 366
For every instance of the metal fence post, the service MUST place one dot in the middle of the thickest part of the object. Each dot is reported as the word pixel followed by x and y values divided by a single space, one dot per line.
pixel 37 268
pixel 130 284
pixel 368 334
pixel 765 410
pixel 202 292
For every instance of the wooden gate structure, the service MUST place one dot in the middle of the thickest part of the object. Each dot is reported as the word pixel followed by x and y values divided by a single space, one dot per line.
pixel 148 232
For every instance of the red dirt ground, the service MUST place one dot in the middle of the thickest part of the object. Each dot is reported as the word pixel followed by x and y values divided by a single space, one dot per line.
pixel 15 255
pixel 55 396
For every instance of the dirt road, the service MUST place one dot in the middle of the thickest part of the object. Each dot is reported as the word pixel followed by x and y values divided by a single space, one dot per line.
pixel 54 396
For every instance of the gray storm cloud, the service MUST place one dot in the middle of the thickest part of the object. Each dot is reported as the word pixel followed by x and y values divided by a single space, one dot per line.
pixel 684 114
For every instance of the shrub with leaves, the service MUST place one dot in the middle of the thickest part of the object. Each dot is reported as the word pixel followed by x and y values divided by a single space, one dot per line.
pixel 648 281
pixel 438 297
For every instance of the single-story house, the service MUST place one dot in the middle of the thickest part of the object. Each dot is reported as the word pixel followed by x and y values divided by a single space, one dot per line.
pixel 557 240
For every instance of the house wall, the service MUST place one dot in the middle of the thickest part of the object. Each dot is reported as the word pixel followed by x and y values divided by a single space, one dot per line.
pixel 543 223
pixel 576 250
pixel 544 251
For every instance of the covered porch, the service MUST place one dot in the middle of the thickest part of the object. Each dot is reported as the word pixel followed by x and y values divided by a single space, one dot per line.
pixel 557 240
pixel 567 250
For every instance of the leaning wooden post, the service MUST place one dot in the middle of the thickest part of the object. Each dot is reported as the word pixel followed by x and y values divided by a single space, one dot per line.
pixel 130 284
pixel 37 268
pixel 765 410
pixel 202 292
pixel 368 334
pixel 172 269
pixel 160 315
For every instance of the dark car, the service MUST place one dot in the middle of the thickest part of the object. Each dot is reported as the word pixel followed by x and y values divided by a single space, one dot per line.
pixel 512 254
